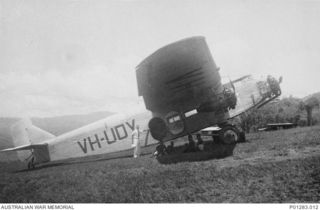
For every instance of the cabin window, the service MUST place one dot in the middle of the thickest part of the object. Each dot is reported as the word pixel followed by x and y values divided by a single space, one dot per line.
pixel 190 113
pixel 174 119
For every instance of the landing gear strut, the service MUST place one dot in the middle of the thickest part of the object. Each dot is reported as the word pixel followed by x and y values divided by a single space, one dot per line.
pixel 31 164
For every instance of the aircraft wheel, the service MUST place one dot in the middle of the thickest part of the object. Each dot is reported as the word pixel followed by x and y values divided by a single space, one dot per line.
pixel 229 135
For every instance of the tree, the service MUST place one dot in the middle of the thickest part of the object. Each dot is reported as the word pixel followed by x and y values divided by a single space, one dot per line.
pixel 285 110
pixel 309 105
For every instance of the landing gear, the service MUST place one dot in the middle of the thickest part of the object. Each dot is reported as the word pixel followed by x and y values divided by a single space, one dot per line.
pixel 229 134
pixel 215 138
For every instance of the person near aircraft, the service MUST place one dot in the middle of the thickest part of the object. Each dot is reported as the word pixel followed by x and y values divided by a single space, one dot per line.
pixel 200 145
pixel 170 148
pixel 191 146
pixel 161 150
pixel 31 159
pixel 136 141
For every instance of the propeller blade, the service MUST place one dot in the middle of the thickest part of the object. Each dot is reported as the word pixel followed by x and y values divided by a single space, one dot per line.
pixel 232 85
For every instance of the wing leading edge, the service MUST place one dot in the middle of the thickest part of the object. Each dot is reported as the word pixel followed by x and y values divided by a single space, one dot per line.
pixel 25 147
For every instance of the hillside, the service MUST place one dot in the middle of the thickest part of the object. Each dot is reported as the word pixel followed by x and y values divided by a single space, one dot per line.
pixel 63 124
pixel 272 167
pixel 55 125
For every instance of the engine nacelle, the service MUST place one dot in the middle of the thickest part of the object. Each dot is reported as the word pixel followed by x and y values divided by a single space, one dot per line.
pixel 158 128
pixel 222 103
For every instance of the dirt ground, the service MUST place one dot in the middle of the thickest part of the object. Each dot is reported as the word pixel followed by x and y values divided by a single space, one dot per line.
pixel 271 167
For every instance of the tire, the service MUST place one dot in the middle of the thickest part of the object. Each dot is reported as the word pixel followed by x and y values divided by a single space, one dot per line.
pixel 229 135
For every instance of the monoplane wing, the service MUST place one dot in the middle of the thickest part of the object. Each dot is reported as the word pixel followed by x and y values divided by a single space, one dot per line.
pixel 181 86
pixel 25 147
pixel 253 93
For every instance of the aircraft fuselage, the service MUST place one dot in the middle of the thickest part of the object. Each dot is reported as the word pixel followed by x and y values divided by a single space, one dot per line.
pixel 112 134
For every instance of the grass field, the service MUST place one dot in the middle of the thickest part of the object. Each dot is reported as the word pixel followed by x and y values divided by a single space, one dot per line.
pixel 279 166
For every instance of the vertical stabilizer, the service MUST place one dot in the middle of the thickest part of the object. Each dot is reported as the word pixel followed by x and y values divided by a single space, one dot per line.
pixel 24 133
pixel 20 137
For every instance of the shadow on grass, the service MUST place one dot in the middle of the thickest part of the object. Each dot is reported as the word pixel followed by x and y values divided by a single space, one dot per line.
pixel 71 162
pixel 211 151
pixel 96 158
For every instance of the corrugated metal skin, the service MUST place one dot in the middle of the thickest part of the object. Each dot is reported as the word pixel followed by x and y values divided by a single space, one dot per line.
pixel 110 135
pixel 179 76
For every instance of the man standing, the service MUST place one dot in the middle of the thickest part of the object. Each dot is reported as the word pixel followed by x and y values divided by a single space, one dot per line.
pixel 136 141
pixel 31 160
pixel 200 144
pixel 191 146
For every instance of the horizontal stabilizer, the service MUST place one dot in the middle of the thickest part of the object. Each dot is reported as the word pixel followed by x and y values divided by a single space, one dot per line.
pixel 25 147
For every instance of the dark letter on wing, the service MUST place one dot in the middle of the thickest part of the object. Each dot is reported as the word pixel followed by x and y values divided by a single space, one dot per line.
pixel 121 135
pixel 95 142
pixel 107 138
pixel 131 126
pixel 84 146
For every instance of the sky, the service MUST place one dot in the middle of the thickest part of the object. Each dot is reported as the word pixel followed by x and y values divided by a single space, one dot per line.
pixel 79 56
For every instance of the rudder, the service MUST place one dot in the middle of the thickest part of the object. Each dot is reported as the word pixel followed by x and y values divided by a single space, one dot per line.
pixel 23 133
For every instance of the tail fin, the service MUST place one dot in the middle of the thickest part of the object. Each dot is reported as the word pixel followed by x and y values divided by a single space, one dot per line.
pixel 24 133
pixel 19 134
pixel 25 136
